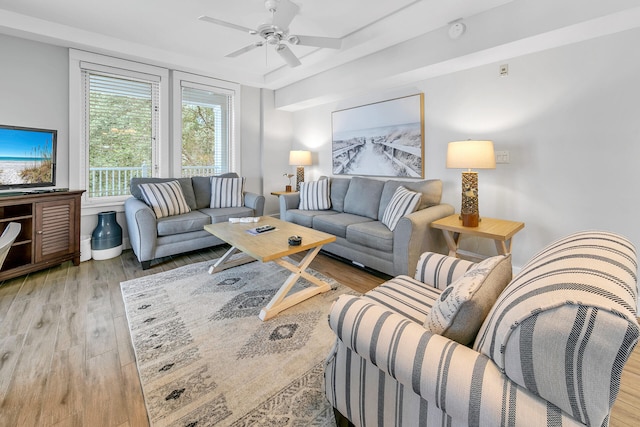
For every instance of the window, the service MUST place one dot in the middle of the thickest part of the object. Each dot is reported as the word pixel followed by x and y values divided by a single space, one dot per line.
pixel 205 124
pixel 206 129
pixel 121 127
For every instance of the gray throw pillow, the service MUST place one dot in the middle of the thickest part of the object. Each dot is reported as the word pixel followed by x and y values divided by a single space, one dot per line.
pixel 462 307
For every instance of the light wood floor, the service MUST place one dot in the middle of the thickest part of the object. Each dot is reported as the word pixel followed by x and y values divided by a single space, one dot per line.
pixel 66 357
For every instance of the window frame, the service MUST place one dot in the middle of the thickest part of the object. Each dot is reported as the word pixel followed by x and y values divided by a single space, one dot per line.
pixel 78 154
pixel 214 85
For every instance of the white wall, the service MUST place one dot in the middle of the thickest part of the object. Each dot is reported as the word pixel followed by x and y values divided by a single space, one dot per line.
pixel 34 92
pixel 276 143
pixel 570 119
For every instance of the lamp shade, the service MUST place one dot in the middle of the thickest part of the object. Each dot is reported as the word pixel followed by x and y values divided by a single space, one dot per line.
pixel 299 158
pixel 471 155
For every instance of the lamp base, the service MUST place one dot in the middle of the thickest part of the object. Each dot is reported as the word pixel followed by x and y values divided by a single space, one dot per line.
pixel 299 176
pixel 470 219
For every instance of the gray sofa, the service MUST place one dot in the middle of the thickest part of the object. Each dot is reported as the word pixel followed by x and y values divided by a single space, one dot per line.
pixel 357 205
pixel 152 238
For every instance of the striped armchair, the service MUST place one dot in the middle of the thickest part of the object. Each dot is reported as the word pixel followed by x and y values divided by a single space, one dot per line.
pixel 550 351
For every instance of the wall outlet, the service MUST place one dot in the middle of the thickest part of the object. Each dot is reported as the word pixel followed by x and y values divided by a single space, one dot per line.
pixel 502 157
pixel 504 70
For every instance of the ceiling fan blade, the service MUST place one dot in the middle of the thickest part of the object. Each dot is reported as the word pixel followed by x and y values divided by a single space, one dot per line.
pixel 285 13
pixel 224 23
pixel 289 57
pixel 328 42
pixel 244 50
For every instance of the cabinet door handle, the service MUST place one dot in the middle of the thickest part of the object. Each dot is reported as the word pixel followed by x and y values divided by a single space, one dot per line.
pixel 39 232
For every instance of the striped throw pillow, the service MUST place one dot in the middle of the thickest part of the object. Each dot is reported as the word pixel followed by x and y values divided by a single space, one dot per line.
pixel 227 192
pixel 314 195
pixel 165 198
pixel 402 203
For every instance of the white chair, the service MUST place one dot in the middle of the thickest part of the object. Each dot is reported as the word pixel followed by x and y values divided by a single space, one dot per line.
pixel 8 237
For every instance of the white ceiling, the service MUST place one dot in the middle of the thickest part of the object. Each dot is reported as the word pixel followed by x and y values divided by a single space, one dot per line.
pixel 167 32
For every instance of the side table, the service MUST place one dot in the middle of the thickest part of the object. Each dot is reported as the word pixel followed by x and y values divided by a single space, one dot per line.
pixel 280 193
pixel 499 230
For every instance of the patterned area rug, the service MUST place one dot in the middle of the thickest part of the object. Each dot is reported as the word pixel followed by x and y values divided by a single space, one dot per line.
pixel 204 358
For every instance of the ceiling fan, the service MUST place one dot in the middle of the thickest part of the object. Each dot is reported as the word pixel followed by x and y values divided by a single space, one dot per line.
pixel 275 32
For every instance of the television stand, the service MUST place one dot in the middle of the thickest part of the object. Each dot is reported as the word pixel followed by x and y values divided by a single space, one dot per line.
pixel 50 233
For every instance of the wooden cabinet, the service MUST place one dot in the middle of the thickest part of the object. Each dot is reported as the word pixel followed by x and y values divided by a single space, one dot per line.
pixel 50 232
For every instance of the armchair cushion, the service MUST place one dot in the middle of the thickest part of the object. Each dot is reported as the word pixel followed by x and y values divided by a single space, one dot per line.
pixel 462 307
pixel 165 198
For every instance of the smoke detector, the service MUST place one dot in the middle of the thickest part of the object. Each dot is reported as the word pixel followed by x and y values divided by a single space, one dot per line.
pixel 456 30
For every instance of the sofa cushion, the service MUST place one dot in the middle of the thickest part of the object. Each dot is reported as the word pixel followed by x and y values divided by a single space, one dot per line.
pixel 165 198
pixel 304 218
pixel 402 203
pixel 463 305
pixel 185 184
pixel 337 224
pixel 372 234
pixel 339 187
pixel 227 192
pixel 314 195
pixel 223 214
pixel 185 223
pixel 363 197
pixel 430 189
pixel 202 188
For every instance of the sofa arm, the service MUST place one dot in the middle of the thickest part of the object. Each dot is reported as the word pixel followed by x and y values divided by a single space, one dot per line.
pixel 255 202
pixel 456 379
pixel 142 228
pixel 414 236
pixel 288 201
pixel 439 270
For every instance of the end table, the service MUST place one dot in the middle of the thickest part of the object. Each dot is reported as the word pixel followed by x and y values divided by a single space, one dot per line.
pixel 499 230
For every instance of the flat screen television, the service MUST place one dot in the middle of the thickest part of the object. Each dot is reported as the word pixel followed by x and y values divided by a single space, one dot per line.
pixel 27 157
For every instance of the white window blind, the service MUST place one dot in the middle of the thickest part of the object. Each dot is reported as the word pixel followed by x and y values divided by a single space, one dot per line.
pixel 121 122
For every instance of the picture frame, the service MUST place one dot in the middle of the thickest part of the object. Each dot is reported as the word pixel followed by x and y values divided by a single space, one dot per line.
pixel 385 138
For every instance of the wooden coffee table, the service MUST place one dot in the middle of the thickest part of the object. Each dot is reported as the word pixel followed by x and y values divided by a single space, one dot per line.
pixel 273 246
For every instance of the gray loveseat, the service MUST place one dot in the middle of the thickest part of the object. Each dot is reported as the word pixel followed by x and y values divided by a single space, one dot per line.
pixel 357 206
pixel 152 238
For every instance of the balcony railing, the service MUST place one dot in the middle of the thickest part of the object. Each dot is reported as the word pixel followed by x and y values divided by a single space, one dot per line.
pixel 110 181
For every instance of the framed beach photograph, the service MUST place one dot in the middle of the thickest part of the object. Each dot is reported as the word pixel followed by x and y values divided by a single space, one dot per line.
pixel 381 139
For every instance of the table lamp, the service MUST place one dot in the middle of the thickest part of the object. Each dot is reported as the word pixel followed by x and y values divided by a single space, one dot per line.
pixel 300 159
pixel 468 155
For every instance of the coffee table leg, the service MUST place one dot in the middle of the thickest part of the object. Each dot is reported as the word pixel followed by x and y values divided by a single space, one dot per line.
pixel 280 300
pixel 223 263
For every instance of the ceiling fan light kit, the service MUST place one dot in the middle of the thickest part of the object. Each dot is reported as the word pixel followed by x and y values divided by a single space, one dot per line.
pixel 276 32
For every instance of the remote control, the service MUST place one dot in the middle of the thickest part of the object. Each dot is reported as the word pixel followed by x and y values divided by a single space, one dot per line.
pixel 264 228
